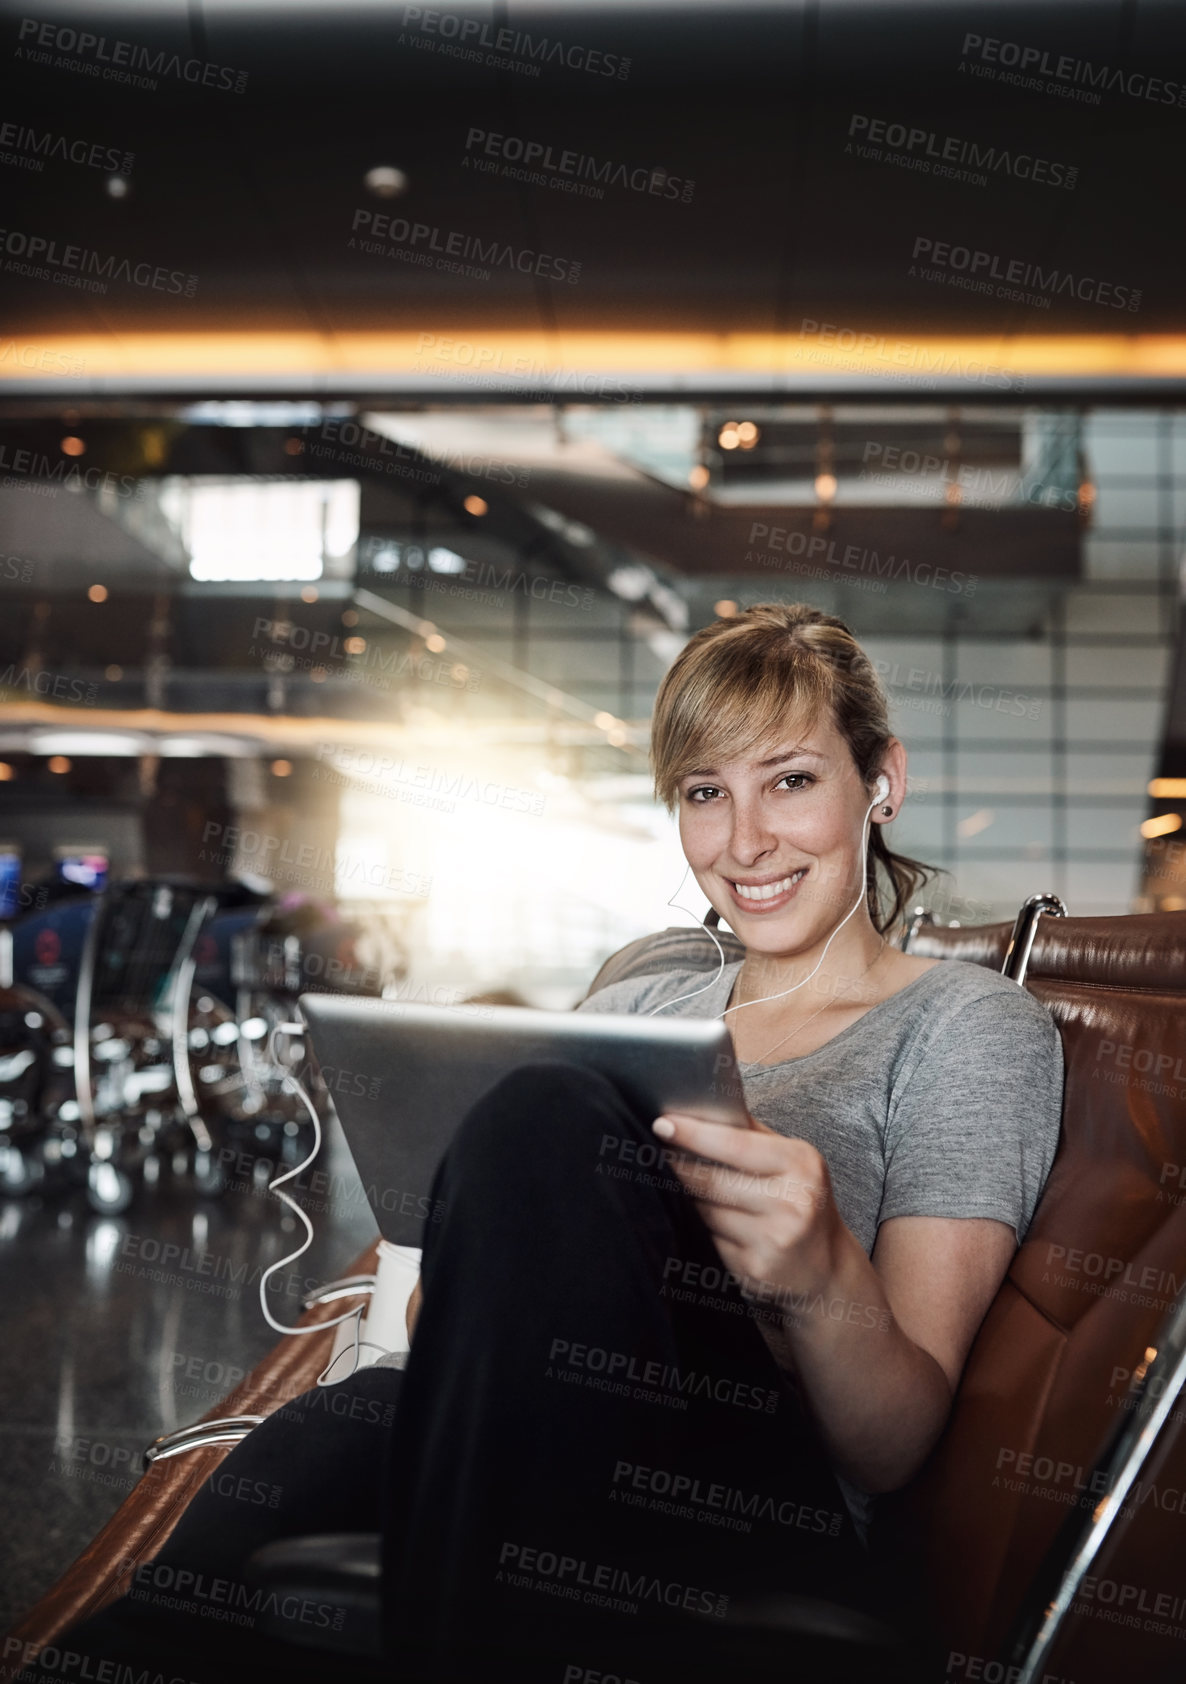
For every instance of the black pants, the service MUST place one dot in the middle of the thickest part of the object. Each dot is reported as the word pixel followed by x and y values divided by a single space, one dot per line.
pixel 591 1464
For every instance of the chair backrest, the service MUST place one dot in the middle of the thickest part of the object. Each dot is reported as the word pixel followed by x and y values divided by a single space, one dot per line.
pixel 975 944
pixel 691 948
pixel 680 948
pixel 1047 1380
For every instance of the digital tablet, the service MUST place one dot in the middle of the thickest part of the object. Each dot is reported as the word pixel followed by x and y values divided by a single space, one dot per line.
pixel 402 1076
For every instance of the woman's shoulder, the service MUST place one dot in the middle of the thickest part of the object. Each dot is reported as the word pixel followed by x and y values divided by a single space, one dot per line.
pixel 972 1001
pixel 959 979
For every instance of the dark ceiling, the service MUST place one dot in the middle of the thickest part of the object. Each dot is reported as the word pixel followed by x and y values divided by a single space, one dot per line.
pixel 256 193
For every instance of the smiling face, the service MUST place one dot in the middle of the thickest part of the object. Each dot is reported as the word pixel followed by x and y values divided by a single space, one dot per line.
pixel 774 839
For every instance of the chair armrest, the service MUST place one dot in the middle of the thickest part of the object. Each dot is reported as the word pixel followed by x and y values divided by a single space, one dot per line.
pixel 227 1429
pixel 350 1286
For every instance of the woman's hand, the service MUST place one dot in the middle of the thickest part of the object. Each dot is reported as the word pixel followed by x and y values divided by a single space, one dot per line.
pixel 766 1199
pixel 876 1344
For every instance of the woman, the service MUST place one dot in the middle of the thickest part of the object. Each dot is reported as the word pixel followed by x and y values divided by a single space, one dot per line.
pixel 661 1368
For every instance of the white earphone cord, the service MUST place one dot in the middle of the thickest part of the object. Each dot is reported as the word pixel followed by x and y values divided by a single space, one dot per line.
pixel 708 931
pixel 293 1086
pixel 866 828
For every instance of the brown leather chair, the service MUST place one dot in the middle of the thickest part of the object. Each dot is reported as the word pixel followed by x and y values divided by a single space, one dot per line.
pixel 1014 1486
pixel 975 944
pixel 1073 1357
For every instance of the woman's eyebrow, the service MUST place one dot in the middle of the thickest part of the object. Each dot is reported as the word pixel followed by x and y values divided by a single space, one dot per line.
pixel 791 754
pixel 774 760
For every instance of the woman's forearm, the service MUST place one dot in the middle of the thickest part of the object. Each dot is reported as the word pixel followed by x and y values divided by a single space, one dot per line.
pixel 880 1401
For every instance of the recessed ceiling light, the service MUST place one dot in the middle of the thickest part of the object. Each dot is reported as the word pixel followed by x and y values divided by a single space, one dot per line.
pixel 385 181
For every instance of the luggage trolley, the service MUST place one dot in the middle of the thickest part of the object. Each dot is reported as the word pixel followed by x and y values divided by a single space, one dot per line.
pixel 234 1061
pixel 135 1096
pixel 231 1065
pixel 38 1132
pixel 286 954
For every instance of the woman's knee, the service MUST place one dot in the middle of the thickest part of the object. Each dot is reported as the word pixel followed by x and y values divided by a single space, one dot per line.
pixel 545 1112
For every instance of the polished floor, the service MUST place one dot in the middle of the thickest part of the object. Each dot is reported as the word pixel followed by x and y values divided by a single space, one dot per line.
pixel 109 1339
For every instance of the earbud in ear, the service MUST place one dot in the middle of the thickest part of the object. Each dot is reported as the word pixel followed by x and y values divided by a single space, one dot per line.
pixel 882 790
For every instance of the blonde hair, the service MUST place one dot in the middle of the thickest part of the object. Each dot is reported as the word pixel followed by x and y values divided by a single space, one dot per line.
pixel 740 683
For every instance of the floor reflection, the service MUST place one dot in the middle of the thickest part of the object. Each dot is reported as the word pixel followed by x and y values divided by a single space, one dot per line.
pixel 118 1328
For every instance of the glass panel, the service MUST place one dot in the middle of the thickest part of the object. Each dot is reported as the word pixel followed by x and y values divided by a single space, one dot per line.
pixel 998 825
pixel 998 661
pixel 1112 611
pixel 1096 890
pixel 1117 721
pixel 1119 667
pixel 997 773
pixel 1000 714
pixel 1103 771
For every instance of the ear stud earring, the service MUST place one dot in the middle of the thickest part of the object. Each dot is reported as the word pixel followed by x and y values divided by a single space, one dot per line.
pixel 887 811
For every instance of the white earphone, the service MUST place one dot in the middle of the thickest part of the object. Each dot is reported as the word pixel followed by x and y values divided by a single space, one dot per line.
pixel 880 791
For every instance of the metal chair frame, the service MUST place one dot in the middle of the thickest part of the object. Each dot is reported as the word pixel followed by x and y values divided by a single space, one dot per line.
pixel 1021 938
pixel 1025 928
pixel 230 1429
pixel 1162 1384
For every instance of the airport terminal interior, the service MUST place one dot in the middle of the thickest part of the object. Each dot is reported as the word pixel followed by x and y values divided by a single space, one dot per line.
pixel 403 417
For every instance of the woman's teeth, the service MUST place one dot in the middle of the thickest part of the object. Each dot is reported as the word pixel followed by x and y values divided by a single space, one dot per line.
pixel 768 891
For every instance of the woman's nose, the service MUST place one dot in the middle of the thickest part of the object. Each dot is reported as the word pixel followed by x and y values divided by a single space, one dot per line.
pixel 751 836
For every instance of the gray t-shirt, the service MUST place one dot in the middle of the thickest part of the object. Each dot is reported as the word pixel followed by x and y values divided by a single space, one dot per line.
pixel 943 1100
